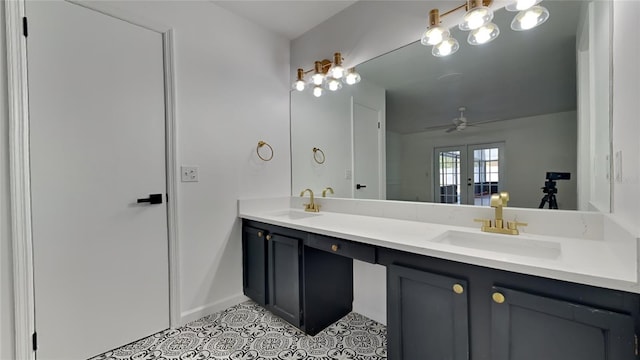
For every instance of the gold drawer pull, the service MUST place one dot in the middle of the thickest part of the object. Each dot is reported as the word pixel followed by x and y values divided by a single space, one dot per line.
pixel 498 297
pixel 260 234
pixel 268 237
pixel 458 289
pixel 334 247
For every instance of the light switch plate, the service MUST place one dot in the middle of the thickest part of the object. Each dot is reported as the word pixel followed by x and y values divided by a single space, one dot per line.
pixel 189 173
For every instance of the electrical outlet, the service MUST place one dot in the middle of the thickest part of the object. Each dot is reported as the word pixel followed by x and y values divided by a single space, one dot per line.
pixel 189 173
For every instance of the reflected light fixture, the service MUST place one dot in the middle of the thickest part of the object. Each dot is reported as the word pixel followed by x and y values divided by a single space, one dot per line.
pixel 530 18
pixel 435 33
pixel 521 5
pixel 445 48
pixel 483 34
pixel 328 75
pixel 477 15
pixel 352 77
pixel 477 20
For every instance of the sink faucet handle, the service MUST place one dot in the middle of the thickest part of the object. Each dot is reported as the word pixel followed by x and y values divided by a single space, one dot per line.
pixel 486 223
pixel 513 225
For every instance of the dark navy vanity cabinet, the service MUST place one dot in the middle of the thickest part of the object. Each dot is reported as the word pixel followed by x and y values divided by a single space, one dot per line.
pixel 307 287
pixel 443 308
pixel 439 309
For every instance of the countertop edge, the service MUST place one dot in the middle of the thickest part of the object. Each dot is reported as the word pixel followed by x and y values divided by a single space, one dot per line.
pixel 620 283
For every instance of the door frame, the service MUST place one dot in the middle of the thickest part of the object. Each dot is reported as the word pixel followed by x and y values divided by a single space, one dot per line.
pixel 466 167
pixel 20 176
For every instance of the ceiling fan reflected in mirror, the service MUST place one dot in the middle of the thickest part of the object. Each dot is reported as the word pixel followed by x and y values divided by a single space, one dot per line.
pixel 460 123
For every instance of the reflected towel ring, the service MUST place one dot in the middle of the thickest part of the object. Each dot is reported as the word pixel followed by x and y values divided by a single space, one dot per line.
pixel 318 158
pixel 261 144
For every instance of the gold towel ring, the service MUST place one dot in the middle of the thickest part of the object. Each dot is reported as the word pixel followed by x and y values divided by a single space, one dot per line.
pixel 316 158
pixel 261 144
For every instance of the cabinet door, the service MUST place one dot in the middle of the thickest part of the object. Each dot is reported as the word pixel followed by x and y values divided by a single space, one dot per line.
pixel 284 277
pixel 254 264
pixel 427 318
pixel 531 327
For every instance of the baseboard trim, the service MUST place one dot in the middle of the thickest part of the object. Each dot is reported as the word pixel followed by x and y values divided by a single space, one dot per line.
pixel 211 308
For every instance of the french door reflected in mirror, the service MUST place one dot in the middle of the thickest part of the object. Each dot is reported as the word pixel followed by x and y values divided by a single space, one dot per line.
pixel 468 174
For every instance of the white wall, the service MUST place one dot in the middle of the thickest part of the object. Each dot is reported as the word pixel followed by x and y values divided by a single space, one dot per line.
pixel 626 127
pixel 533 146
pixel 326 123
pixel 6 273
pixel 232 84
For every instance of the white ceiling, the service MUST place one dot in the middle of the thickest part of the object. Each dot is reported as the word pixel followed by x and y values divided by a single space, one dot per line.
pixel 287 18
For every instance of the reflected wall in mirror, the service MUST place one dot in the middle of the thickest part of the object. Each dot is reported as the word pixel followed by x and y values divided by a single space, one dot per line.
pixel 532 102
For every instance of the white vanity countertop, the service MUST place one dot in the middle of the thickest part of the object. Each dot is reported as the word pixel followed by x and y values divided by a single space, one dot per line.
pixel 599 262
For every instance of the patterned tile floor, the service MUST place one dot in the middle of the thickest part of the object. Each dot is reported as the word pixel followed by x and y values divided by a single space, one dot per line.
pixel 249 332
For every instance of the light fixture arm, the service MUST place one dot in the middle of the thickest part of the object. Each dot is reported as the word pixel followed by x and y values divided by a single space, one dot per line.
pixel 468 5
pixel 321 67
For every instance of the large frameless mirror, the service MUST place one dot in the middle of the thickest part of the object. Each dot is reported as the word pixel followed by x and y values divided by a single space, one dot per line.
pixel 528 113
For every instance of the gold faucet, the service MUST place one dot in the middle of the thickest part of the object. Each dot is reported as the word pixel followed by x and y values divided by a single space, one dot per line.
pixel 324 192
pixel 311 206
pixel 499 201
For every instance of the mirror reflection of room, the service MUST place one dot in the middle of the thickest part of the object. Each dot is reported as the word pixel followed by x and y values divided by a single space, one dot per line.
pixel 490 118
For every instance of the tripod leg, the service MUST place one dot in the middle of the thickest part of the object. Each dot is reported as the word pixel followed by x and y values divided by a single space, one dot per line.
pixel 544 200
pixel 553 204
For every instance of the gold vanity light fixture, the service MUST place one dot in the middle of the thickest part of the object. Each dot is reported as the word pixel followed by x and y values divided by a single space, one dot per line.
pixel 327 74
pixel 477 20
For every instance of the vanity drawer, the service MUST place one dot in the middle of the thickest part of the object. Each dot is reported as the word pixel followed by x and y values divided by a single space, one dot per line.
pixel 342 247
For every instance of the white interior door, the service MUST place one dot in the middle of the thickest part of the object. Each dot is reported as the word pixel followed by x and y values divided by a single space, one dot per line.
pixel 366 143
pixel 96 99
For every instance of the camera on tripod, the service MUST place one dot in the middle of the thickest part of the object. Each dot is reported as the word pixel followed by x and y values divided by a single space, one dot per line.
pixel 550 189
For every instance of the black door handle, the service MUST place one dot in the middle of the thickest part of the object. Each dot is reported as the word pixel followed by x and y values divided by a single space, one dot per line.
pixel 152 199
pixel 358 186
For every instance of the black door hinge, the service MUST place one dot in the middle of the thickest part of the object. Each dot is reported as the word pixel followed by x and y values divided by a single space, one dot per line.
pixel 25 30
pixel 378 125
pixel 34 340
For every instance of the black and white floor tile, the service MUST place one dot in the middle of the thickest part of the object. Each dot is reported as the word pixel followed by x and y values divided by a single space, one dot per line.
pixel 249 332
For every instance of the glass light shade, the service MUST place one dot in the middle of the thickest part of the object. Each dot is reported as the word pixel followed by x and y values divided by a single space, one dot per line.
pixel 299 85
pixel 435 35
pixel 317 91
pixel 483 34
pixel 333 84
pixel 336 72
pixel 446 48
pixel 521 5
pixel 317 79
pixel 529 19
pixel 476 18
pixel 352 77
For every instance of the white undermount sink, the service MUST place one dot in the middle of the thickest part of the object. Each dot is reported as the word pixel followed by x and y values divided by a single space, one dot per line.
pixel 294 214
pixel 509 244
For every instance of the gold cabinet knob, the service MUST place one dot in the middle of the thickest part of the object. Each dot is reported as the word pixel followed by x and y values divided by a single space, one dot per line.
pixel 334 247
pixel 498 297
pixel 260 234
pixel 458 289
pixel 268 237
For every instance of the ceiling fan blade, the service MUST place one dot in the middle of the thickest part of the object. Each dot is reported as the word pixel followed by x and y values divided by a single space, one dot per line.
pixel 451 129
